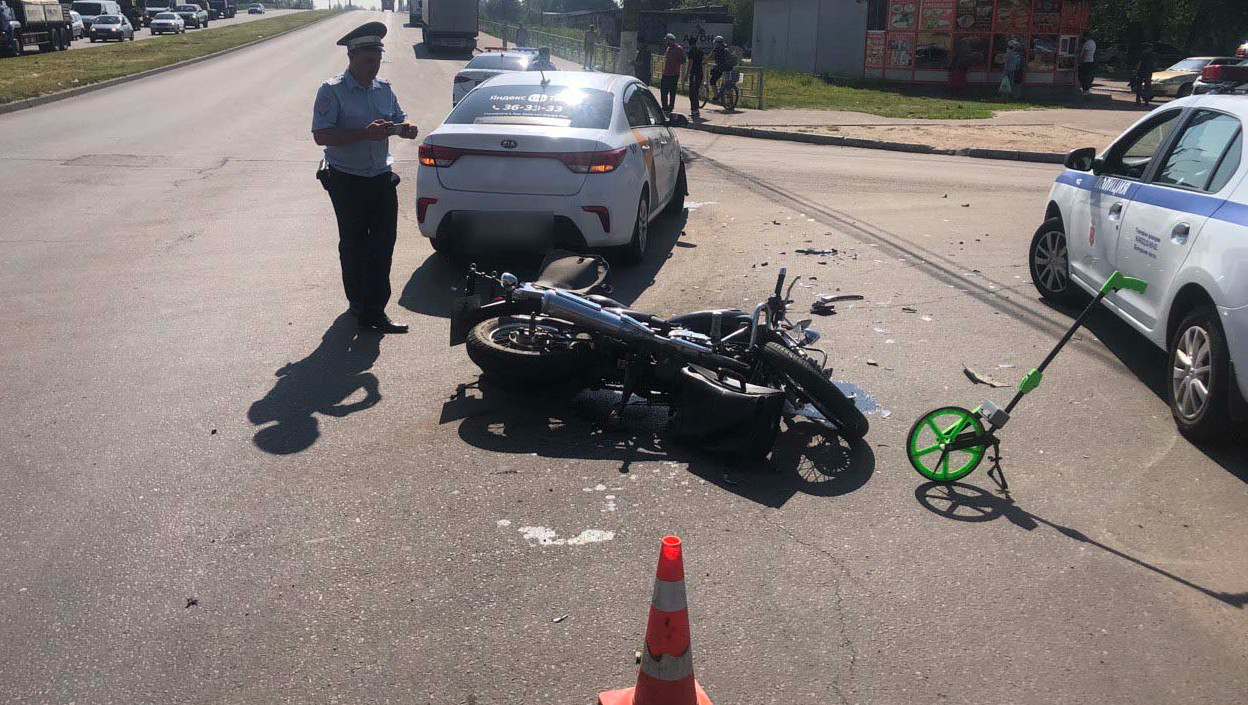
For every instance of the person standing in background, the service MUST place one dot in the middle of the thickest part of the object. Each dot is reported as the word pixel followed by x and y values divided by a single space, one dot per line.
pixel 1087 63
pixel 1144 76
pixel 673 60
pixel 522 35
pixel 591 43
pixel 693 74
pixel 643 67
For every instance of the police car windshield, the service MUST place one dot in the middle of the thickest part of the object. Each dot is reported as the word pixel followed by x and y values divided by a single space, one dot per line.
pixel 583 108
pixel 504 63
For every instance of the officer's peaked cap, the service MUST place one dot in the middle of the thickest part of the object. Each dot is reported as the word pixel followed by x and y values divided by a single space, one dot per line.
pixel 366 36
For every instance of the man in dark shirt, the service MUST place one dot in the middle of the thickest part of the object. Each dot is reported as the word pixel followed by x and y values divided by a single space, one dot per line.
pixel 695 58
pixel 722 61
pixel 1144 76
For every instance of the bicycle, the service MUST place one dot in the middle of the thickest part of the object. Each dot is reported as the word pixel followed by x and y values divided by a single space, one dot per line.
pixel 726 94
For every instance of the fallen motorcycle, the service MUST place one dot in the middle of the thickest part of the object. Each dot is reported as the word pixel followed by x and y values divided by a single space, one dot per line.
pixel 726 376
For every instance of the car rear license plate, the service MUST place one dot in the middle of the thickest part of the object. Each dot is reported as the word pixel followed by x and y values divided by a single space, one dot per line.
pixel 503 228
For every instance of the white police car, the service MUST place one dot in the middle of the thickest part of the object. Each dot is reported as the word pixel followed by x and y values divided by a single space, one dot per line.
pixel 487 66
pixel 530 160
pixel 1167 203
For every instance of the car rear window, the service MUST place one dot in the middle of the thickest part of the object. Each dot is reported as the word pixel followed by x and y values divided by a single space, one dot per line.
pixel 587 108
pixel 503 63
pixel 88 8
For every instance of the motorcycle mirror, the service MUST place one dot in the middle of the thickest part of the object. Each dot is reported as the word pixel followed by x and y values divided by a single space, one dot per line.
pixel 509 281
pixel 801 325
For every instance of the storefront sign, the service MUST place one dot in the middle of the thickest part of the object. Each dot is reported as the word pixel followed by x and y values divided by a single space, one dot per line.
pixel 875 49
pixel 900 54
pixel 975 15
pixel 903 14
pixel 937 15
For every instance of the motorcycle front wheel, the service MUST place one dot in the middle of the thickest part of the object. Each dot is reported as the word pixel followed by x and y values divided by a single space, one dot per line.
pixel 811 385
pixel 524 351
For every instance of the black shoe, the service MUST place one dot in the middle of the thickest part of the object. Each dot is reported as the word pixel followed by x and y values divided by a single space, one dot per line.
pixel 383 324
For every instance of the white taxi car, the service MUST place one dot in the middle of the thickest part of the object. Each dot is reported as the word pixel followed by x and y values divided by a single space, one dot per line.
pixel 486 66
pixel 1167 203
pixel 533 160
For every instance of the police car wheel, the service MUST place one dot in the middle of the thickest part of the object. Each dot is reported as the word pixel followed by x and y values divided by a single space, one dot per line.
pixel 1199 381
pixel 1049 261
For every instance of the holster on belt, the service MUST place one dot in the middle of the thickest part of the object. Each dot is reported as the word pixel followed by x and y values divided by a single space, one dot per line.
pixel 322 174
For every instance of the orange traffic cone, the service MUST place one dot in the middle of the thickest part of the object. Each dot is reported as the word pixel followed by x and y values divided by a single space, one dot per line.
pixel 666 674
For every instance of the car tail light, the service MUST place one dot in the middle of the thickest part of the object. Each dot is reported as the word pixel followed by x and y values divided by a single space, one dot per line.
pixel 433 155
pixel 604 216
pixel 1225 72
pixel 593 162
pixel 422 207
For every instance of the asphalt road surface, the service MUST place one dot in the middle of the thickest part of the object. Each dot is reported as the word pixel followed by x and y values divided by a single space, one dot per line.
pixel 215 490
pixel 143 33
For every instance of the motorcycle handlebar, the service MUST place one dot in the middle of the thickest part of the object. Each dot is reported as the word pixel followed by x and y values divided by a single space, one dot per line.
pixel 780 281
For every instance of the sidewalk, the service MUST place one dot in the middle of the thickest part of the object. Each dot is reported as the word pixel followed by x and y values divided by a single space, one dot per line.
pixel 1049 130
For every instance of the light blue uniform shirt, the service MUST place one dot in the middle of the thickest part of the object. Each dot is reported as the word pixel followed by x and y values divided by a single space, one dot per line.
pixel 343 101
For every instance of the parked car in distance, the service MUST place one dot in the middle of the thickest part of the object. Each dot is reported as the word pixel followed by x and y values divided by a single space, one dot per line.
pixel 79 27
pixel 192 15
pixel 487 66
pixel 108 28
pixel 1180 79
pixel 255 9
pixel 168 23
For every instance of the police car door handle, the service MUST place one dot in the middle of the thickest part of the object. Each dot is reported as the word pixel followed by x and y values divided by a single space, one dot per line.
pixel 1180 233
pixel 1115 211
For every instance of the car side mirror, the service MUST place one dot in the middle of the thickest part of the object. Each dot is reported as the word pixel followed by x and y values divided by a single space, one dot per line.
pixel 1083 159
pixel 676 120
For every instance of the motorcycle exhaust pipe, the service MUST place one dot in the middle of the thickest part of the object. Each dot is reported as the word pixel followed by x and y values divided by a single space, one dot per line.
pixel 574 309
pixel 579 311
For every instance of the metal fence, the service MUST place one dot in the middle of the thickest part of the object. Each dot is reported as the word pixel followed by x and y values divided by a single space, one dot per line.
pixel 607 58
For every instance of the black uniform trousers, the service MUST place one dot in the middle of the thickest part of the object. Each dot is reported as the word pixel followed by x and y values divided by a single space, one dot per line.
pixel 368 211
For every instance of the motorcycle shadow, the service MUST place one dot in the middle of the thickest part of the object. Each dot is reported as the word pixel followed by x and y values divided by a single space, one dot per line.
pixel 807 458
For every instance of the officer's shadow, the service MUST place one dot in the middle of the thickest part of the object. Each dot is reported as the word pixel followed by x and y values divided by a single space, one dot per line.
pixel 318 384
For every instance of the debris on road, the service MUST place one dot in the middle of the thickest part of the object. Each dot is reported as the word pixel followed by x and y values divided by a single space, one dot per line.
pixel 831 252
pixel 192 602
pixel 833 298
pixel 557 620
pixel 907 309
pixel 977 378
pixel 872 363
pixel 823 308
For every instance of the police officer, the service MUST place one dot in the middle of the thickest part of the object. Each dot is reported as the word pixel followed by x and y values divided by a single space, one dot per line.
pixel 355 115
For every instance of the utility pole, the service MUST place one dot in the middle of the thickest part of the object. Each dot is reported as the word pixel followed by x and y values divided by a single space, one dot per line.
pixel 628 37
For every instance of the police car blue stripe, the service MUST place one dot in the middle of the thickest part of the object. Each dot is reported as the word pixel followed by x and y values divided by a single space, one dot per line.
pixel 1172 199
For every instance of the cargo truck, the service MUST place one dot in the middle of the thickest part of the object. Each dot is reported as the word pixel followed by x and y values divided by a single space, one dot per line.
pixel 451 24
pixel 222 9
pixel 151 8
pixel 46 23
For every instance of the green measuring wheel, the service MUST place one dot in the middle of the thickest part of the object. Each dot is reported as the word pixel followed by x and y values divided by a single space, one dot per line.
pixel 931 445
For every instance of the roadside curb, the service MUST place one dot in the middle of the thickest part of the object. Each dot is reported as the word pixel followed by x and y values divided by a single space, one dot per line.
pixel 25 103
pixel 833 141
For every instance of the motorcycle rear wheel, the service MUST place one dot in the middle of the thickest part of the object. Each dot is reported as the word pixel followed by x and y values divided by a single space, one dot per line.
pixel 811 384
pixel 514 353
